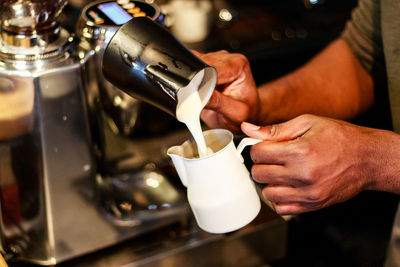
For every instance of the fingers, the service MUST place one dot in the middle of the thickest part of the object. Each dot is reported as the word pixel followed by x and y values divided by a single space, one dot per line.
pixel 275 175
pixel 235 97
pixel 232 109
pixel 279 132
pixel 271 152
pixel 290 209
pixel 233 68
pixel 284 194
pixel 215 120
pixel 289 200
pixel 229 66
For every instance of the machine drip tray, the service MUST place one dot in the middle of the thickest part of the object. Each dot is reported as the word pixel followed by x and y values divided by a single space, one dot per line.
pixel 184 244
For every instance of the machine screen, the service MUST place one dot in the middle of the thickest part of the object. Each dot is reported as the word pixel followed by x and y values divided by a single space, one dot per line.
pixel 115 13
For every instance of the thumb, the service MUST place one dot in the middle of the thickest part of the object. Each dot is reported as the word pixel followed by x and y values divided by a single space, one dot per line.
pixel 278 132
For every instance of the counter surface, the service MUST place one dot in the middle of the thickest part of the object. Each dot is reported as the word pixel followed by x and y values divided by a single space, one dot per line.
pixel 184 244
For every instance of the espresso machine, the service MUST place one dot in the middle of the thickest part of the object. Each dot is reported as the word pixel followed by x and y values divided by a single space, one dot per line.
pixel 73 177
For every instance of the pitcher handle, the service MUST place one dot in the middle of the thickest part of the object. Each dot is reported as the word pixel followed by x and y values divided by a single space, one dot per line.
pixel 247 141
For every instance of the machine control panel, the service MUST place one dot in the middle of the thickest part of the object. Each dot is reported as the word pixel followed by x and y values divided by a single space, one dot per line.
pixel 116 13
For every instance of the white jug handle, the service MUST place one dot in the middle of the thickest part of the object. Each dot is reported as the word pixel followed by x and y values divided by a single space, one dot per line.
pixel 247 141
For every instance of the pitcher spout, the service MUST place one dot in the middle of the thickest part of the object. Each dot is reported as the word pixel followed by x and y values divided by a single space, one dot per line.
pixel 176 155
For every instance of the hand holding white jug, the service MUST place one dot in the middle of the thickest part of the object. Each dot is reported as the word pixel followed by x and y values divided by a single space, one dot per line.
pixel 220 191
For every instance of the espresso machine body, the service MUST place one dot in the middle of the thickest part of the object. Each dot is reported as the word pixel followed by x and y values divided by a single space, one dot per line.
pixel 45 148
pixel 44 163
pixel 56 201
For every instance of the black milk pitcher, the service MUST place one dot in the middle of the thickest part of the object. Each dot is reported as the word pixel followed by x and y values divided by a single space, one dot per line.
pixel 149 63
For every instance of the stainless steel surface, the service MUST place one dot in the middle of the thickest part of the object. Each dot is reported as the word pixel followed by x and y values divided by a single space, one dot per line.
pixel 184 244
pixel 115 116
pixel 121 110
pixel 41 164
pixel 52 189
pixel 133 199
pixel 35 54
pixel 29 23
pixel 29 30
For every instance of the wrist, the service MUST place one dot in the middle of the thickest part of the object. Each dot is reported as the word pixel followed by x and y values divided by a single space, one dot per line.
pixel 381 157
pixel 276 103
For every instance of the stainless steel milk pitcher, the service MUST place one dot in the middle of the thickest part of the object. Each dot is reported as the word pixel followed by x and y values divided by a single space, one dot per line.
pixel 149 63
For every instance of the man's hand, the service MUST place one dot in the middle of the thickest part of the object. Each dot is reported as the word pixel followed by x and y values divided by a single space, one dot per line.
pixel 236 98
pixel 312 162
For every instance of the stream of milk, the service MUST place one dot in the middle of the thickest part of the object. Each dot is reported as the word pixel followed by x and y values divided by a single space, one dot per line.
pixel 188 111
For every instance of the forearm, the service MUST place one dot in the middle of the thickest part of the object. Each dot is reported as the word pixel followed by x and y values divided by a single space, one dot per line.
pixel 332 84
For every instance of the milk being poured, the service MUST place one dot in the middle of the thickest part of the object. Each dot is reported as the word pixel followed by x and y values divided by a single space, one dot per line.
pixel 188 111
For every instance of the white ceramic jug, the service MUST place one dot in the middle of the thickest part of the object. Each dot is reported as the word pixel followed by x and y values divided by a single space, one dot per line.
pixel 220 191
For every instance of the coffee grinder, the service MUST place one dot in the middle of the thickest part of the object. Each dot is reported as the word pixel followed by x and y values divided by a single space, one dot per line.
pixel 57 200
